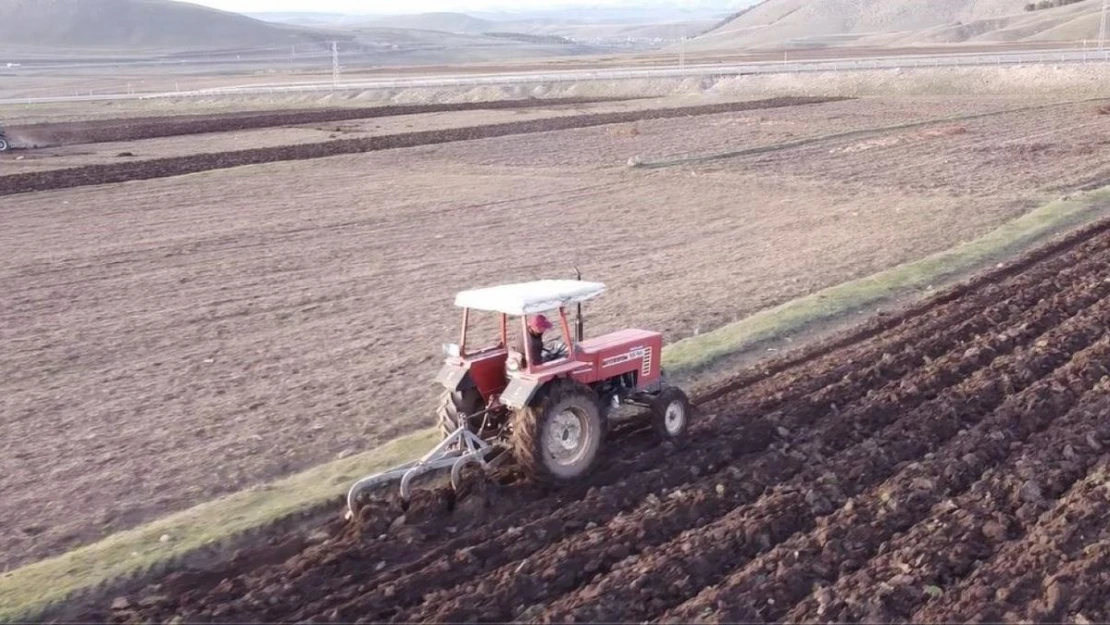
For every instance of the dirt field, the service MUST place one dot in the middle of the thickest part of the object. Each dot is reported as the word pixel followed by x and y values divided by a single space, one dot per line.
pixel 180 338
pixel 81 145
pixel 950 466
pixel 64 145
pixel 146 169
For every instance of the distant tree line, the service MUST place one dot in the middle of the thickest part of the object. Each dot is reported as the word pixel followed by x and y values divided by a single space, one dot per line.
pixel 1048 4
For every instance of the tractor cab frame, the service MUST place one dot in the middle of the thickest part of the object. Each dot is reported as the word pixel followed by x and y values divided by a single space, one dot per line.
pixel 502 374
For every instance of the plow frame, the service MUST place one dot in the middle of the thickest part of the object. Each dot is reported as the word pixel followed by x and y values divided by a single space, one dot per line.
pixel 454 452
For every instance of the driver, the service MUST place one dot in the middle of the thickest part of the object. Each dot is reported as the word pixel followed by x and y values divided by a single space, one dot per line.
pixel 536 327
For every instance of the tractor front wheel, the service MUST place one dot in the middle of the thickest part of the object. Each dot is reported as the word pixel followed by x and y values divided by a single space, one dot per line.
pixel 4 145
pixel 558 439
pixel 455 409
pixel 670 413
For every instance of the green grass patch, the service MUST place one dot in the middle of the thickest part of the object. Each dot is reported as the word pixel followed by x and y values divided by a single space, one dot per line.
pixel 28 590
pixel 31 588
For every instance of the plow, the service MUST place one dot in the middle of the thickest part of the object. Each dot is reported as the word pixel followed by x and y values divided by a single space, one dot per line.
pixel 543 407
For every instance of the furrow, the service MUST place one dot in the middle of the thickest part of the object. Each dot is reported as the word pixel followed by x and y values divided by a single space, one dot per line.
pixel 1076 592
pixel 340 565
pixel 595 553
pixel 1015 581
pixel 710 454
pixel 961 530
pixel 989 303
pixel 701 557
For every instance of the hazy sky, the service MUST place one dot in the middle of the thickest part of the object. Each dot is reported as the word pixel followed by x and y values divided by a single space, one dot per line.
pixel 388 6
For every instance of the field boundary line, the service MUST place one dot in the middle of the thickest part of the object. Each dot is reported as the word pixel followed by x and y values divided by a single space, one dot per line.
pixel 133 555
pixel 664 163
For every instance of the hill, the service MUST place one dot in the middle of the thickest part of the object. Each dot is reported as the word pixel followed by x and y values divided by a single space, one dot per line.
pixel 588 29
pixel 302 18
pixel 1076 22
pixel 829 22
pixel 387 46
pixel 445 22
pixel 136 24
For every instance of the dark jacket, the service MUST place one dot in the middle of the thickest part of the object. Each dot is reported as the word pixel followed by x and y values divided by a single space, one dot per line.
pixel 535 345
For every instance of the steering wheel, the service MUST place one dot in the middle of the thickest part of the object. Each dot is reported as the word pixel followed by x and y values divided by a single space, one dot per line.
pixel 555 351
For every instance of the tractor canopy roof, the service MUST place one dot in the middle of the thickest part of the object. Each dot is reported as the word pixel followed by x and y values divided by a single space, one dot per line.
pixel 529 298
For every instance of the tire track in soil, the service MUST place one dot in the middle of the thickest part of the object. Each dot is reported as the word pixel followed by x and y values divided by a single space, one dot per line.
pixel 695 555
pixel 180 165
pixel 959 529
pixel 1013 582
pixel 609 500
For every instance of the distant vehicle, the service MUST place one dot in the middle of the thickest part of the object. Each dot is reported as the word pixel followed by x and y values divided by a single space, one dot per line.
pixel 4 145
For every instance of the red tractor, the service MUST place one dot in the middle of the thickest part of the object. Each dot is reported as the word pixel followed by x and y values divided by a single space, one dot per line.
pixel 550 410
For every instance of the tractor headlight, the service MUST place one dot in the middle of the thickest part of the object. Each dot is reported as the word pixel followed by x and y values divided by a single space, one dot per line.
pixel 451 349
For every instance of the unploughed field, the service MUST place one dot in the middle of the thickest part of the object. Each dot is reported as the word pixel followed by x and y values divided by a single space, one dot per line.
pixel 950 465
pixel 180 338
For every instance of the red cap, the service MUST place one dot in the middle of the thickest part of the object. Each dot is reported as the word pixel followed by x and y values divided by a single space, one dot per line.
pixel 539 323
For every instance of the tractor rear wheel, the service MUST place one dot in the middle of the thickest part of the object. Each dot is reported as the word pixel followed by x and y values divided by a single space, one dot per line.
pixel 558 438
pixel 455 409
pixel 4 145
pixel 670 413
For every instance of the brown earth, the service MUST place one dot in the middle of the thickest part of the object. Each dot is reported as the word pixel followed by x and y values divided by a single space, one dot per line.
pixel 652 137
pixel 180 165
pixel 945 463
pixel 181 338
pixel 79 155
pixel 134 128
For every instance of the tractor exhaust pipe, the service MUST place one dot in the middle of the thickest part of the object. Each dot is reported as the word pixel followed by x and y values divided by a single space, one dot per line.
pixel 579 328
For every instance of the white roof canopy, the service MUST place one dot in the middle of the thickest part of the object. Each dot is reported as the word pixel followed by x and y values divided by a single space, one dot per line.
pixel 529 298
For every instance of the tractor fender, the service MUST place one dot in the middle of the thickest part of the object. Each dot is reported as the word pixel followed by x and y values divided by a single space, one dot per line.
pixel 454 378
pixel 520 392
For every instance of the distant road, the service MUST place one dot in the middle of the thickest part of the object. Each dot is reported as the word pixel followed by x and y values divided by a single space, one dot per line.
pixel 1061 56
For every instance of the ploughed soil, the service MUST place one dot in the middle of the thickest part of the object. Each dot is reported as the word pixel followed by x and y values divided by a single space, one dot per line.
pixel 946 463
pixel 172 340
